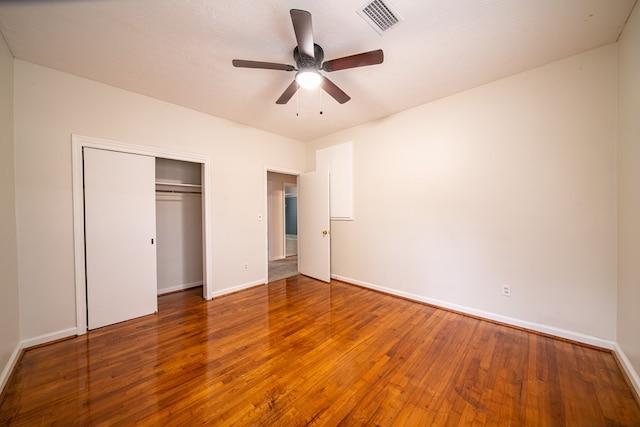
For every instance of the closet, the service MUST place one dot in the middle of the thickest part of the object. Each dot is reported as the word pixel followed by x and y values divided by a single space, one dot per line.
pixel 178 225
pixel 139 228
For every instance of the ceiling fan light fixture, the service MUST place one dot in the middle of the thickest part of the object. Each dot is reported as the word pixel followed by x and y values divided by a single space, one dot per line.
pixel 308 79
pixel 309 59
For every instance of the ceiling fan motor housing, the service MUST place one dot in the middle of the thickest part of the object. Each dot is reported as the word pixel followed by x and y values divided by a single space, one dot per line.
pixel 304 62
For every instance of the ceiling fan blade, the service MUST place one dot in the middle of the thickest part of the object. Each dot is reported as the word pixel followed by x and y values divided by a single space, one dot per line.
pixel 288 93
pixel 333 90
pixel 304 32
pixel 263 65
pixel 359 60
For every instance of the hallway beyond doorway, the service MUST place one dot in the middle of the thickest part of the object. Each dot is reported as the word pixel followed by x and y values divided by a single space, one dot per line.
pixel 283 268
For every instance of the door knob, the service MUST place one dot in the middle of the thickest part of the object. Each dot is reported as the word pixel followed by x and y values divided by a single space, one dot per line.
pixel 325 232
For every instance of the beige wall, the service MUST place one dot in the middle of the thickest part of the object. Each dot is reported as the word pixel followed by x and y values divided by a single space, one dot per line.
pixel 276 214
pixel 9 318
pixel 509 183
pixel 50 106
pixel 628 192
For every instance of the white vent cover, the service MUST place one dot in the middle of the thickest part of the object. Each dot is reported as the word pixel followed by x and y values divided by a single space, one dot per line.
pixel 380 15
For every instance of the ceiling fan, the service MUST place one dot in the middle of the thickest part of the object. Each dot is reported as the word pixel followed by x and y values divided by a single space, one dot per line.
pixel 309 59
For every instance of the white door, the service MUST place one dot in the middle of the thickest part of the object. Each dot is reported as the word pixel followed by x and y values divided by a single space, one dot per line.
pixel 314 237
pixel 120 227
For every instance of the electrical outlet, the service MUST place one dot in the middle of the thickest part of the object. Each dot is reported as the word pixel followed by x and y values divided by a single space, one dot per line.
pixel 246 266
pixel 506 290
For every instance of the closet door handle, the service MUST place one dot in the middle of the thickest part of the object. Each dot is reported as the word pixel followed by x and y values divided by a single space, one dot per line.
pixel 152 240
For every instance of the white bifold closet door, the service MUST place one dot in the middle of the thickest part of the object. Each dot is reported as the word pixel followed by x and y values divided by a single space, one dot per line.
pixel 120 227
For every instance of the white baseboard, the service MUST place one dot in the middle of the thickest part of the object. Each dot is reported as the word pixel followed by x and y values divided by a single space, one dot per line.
pixel 43 339
pixel 24 344
pixel 549 330
pixel 179 287
pixel 628 368
pixel 8 368
pixel 237 288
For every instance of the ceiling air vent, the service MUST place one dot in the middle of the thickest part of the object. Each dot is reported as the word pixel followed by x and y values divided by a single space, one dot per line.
pixel 380 15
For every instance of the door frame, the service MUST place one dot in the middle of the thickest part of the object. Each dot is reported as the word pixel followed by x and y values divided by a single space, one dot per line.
pixel 78 142
pixel 274 169
pixel 284 216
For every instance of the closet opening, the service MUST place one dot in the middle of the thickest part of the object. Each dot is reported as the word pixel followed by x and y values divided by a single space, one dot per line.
pixel 178 225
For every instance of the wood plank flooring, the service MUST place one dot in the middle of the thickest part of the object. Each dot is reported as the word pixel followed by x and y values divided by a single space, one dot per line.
pixel 299 352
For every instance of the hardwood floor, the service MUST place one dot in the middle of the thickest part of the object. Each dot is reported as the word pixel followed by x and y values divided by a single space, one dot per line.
pixel 301 352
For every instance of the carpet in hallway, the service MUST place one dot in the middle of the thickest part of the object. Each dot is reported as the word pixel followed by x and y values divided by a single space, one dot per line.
pixel 283 268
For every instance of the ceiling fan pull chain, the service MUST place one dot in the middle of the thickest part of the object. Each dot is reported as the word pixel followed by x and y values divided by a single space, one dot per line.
pixel 321 102
pixel 297 103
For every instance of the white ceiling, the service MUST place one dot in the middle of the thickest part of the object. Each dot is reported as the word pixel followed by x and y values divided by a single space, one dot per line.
pixel 180 51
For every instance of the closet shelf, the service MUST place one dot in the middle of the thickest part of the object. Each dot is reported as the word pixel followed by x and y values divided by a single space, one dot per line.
pixel 178 184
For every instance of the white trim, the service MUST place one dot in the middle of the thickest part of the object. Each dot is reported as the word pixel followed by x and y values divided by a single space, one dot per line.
pixel 545 329
pixel 285 236
pixel 237 288
pixel 207 248
pixel 25 344
pixel 47 338
pixel 11 364
pixel 80 141
pixel 179 287
pixel 628 368
pixel 274 169
pixel 284 219
pixel 78 235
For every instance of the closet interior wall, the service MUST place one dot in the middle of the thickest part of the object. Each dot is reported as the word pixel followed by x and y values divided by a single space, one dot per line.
pixel 178 225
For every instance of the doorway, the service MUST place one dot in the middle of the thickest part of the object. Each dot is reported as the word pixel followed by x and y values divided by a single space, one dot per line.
pixel 290 219
pixel 313 222
pixel 282 225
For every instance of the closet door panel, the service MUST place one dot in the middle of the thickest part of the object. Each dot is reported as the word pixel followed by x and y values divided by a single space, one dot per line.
pixel 120 231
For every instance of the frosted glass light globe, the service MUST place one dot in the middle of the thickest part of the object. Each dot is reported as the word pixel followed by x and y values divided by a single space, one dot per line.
pixel 308 79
